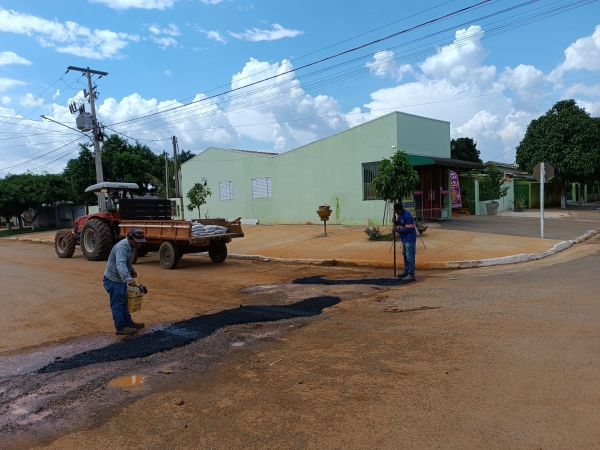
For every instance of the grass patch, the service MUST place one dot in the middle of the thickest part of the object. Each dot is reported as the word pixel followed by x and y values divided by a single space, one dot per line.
pixel 5 233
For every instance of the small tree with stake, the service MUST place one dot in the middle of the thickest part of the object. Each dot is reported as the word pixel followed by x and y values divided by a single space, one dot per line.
pixel 197 197
pixel 396 178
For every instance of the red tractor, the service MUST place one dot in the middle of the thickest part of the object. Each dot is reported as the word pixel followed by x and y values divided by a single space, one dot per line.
pixel 96 233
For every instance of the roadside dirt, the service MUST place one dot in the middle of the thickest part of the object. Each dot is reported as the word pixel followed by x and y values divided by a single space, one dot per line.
pixel 503 357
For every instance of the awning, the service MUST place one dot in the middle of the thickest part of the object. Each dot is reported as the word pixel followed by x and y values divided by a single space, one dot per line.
pixel 418 160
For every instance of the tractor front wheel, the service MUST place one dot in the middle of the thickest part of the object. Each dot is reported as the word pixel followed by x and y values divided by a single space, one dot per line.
pixel 64 243
pixel 169 255
pixel 96 240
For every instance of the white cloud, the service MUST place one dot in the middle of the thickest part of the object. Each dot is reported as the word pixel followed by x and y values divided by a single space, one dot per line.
pixel 279 100
pixel 584 53
pixel 7 58
pixel 171 30
pixel 591 107
pixel 7 83
pixel 6 100
pixel 578 88
pixel 215 35
pixel 56 94
pixel 277 32
pixel 526 81
pixel 165 42
pixel 384 64
pixel 30 100
pixel 69 37
pixel 211 2
pixel 141 4
pixel 168 73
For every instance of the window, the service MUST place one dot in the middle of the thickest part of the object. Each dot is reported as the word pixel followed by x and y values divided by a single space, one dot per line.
pixel 370 171
pixel 261 188
pixel 226 190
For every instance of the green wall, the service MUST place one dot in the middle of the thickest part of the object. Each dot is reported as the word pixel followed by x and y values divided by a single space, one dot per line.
pixel 326 171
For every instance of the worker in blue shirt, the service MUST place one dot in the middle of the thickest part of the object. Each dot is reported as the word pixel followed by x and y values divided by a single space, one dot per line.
pixel 404 225
pixel 118 275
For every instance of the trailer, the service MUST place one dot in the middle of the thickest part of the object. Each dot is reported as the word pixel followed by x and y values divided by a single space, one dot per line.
pixel 173 238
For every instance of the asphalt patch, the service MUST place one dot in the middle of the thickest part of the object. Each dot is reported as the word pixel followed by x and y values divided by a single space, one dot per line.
pixel 369 281
pixel 190 330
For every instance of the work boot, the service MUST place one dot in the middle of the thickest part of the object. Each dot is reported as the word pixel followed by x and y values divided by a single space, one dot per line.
pixel 126 331
pixel 410 277
pixel 403 275
pixel 137 325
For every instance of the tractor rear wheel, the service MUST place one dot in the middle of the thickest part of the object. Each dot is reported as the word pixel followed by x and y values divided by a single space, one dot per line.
pixel 217 252
pixel 96 240
pixel 64 243
pixel 169 255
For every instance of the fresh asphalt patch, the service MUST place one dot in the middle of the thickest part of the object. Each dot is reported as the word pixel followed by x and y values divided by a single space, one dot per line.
pixel 368 281
pixel 190 330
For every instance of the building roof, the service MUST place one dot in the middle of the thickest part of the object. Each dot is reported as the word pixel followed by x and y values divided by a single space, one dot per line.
pixel 111 186
pixel 421 160
pixel 252 152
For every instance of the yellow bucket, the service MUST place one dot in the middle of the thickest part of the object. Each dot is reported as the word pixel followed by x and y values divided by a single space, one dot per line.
pixel 134 301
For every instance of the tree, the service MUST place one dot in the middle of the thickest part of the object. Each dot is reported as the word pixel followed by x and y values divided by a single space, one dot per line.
pixel 19 193
pixel 185 156
pixel 465 149
pixel 12 198
pixel 197 197
pixel 493 182
pixel 396 179
pixel 567 138
pixel 81 171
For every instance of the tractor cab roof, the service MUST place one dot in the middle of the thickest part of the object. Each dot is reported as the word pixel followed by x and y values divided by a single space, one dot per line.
pixel 108 186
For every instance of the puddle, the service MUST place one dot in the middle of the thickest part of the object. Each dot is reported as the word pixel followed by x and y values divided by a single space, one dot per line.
pixel 129 381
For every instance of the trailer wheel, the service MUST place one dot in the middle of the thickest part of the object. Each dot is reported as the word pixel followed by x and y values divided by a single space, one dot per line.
pixel 64 243
pixel 168 255
pixel 96 240
pixel 217 252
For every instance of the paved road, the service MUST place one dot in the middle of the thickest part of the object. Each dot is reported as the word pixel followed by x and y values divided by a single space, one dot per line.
pixel 497 358
pixel 560 228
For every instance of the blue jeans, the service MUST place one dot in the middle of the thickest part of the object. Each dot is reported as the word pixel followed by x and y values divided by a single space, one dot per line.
pixel 409 249
pixel 118 303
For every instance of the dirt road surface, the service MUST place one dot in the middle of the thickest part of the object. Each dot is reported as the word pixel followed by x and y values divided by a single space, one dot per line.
pixel 504 357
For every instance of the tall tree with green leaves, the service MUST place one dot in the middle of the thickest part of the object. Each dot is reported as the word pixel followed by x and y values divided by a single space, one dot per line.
pixel 81 171
pixel 567 138
pixel 12 198
pixel 465 149
pixel 197 197
pixel 396 179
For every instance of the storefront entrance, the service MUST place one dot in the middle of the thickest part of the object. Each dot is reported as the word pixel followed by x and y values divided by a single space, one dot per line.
pixel 432 201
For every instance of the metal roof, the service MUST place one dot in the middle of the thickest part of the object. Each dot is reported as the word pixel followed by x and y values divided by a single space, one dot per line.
pixel 111 186
pixel 418 160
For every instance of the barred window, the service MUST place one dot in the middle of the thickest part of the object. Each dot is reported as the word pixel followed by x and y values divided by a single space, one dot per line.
pixel 261 188
pixel 226 190
pixel 370 171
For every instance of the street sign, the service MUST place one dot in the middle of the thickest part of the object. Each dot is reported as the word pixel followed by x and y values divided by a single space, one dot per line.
pixel 548 169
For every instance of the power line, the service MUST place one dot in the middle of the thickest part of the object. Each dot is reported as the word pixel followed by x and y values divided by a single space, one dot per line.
pixel 376 41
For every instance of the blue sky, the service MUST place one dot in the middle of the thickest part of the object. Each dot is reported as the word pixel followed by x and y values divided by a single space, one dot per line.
pixel 487 81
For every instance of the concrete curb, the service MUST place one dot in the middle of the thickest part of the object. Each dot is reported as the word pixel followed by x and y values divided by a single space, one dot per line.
pixel 467 264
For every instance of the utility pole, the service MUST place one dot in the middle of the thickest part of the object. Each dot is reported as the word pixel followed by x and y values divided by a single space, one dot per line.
pixel 91 93
pixel 175 168
pixel 168 194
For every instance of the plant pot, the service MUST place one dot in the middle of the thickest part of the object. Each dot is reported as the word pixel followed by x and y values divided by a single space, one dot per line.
pixel 492 208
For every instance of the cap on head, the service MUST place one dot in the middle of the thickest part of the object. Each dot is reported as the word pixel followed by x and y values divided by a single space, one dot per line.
pixel 137 235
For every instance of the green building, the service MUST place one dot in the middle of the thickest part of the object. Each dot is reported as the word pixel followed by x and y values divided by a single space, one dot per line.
pixel 288 188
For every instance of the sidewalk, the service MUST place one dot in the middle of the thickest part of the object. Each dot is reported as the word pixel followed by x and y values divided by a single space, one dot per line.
pixel 305 244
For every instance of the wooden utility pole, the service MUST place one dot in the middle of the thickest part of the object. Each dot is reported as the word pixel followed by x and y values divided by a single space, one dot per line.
pixel 92 95
pixel 167 190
